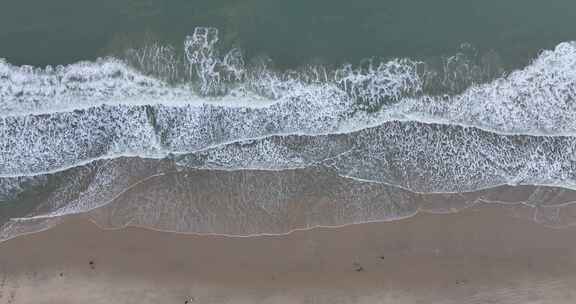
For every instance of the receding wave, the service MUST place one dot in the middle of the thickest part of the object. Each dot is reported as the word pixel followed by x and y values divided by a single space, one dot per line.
pixel 160 194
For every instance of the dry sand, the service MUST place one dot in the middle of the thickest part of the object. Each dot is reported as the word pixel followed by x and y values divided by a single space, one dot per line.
pixel 481 255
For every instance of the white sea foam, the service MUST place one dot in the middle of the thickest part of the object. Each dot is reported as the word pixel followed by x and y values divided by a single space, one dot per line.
pixel 378 123
pixel 100 110
pixel 539 99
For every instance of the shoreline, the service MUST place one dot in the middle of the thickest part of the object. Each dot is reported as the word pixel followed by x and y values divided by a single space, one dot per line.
pixel 475 256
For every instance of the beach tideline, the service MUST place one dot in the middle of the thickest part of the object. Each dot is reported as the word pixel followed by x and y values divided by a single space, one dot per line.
pixel 481 255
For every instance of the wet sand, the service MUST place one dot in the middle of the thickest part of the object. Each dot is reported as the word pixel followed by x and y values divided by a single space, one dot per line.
pixel 481 255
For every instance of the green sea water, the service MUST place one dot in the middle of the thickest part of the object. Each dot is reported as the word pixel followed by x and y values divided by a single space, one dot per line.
pixel 290 32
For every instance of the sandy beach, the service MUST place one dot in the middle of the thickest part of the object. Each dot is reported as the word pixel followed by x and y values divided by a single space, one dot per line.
pixel 481 255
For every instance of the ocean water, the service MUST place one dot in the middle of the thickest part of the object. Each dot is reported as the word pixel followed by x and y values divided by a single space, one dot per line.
pixel 263 117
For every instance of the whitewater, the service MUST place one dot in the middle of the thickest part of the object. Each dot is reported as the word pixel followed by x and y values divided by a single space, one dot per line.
pixel 197 140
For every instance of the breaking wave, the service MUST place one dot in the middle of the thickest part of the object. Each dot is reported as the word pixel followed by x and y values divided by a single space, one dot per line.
pixel 386 136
